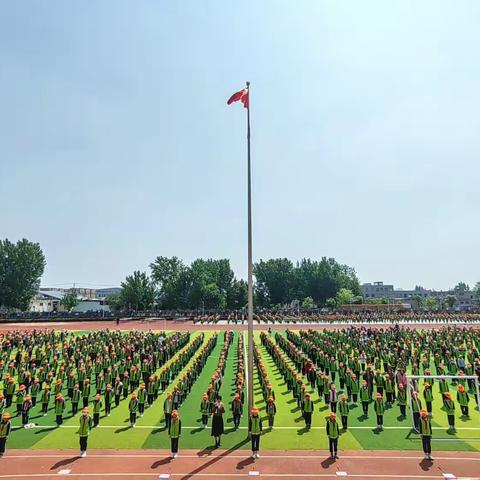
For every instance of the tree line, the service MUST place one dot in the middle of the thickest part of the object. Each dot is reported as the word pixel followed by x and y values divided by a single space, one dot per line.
pixel 211 284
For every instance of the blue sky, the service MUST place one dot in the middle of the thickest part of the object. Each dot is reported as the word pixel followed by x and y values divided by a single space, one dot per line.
pixel 116 144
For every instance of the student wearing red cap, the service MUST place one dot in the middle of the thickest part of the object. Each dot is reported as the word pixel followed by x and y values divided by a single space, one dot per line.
pixel 59 408
pixel 168 409
pixel 5 427
pixel 333 432
pixel 307 410
pixel 237 409
pixel 450 409
pixel 344 410
pixel 133 408
pixel 379 408
pixel 204 409
pixel 463 399
pixel 271 409
pixel 255 430
pixel 426 433
pixel 174 432
pixel 86 424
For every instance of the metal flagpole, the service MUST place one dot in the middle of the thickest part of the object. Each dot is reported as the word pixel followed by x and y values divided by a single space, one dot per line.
pixel 250 266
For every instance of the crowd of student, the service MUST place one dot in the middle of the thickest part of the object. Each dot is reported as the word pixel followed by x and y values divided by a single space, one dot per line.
pixel 93 372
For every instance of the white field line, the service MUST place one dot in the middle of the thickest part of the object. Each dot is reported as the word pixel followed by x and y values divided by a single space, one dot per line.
pixel 151 427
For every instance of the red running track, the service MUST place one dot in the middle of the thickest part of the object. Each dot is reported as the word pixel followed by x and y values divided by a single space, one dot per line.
pixel 157 324
pixel 233 464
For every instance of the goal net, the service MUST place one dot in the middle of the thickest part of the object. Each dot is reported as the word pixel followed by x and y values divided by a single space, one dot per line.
pixel 433 402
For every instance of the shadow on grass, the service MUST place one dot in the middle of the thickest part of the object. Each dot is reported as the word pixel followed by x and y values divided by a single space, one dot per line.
pixel 42 430
pixel 123 429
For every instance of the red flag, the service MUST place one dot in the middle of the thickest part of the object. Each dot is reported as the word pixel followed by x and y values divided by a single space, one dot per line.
pixel 242 95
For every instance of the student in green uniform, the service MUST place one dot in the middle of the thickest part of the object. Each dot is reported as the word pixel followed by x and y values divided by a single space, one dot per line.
pixel 133 408
pixel 449 407
pixel 255 430
pixel 365 398
pixel 379 408
pixel 237 409
pixel 75 399
pixel 45 399
pixel 426 433
pixel 344 410
pixel 271 409
pixel 463 399
pixel 204 410
pixel 86 423
pixel 428 397
pixel 5 428
pixel 333 432
pixel 168 409
pixel 59 408
pixel 97 407
pixel 402 400
pixel 307 411
pixel 174 432
pixel 416 407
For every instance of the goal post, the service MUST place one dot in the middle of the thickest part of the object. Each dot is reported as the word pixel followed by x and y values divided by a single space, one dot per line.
pixel 413 386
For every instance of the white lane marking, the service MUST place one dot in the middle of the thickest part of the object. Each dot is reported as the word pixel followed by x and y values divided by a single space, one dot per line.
pixel 277 427
pixel 272 475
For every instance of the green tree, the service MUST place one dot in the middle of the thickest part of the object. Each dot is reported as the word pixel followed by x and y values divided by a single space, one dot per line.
pixel 331 302
pixel 344 297
pixel 431 302
pixel 172 279
pixel 308 303
pixel 418 301
pixel 450 301
pixel 69 301
pixel 476 293
pixel 21 266
pixel 237 295
pixel 274 279
pixel 115 302
pixel 138 291
pixel 461 288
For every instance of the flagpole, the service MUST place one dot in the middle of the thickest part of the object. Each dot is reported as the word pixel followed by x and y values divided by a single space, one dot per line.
pixel 250 266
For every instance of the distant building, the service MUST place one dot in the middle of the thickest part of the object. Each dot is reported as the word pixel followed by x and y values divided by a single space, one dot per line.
pixel 47 301
pixel 106 292
pixel 380 290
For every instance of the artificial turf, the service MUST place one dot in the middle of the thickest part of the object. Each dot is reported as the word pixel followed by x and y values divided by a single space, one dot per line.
pixel 288 433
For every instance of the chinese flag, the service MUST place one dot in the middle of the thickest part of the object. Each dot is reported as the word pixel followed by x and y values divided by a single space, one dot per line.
pixel 242 95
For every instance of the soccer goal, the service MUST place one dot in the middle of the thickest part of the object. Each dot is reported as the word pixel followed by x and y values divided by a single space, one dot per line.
pixel 415 384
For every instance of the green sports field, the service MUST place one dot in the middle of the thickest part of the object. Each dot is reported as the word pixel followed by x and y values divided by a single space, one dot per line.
pixel 288 433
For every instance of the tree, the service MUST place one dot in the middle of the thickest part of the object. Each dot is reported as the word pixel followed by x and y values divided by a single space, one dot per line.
pixel 69 301
pixel 21 266
pixel 461 288
pixel 344 297
pixel 237 295
pixel 431 302
pixel 476 293
pixel 307 303
pixel 418 301
pixel 171 278
pixel 115 301
pixel 138 291
pixel 450 301
pixel 275 278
